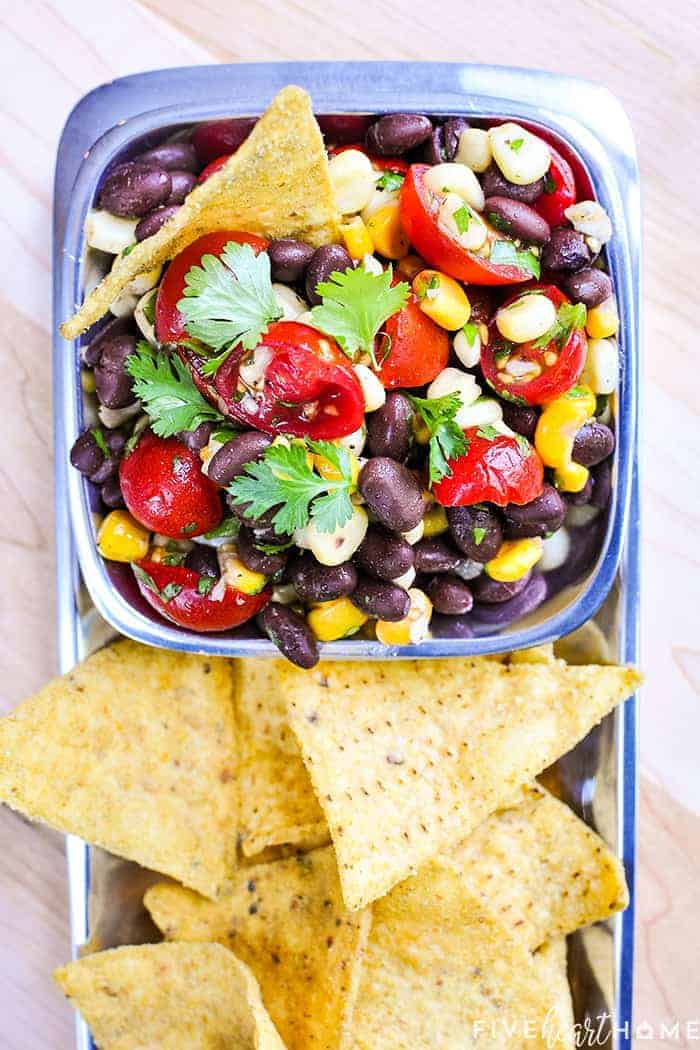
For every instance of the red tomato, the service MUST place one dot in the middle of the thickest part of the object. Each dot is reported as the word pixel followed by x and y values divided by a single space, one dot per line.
pixel 492 470
pixel 214 166
pixel 552 203
pixel 395 164
pixel 419 348
pixel 170 324
pixel 216 137
pixel 419 219
pixel 164 488
pixel 173 591
pixel 307 386
pixel 553 379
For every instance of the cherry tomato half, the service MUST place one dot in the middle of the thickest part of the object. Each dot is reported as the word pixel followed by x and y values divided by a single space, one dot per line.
pixel 492 470
pixel 419 219
pixel 214 166
pixel 177 594
pixel 561 194
pixel 418 348
pixel 559 366
pixel 170 324
pixel 395 164
pixel 303 385
pixel 164 488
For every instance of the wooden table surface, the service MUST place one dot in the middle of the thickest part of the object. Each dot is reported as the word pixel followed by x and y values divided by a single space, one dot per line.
pixel 52 53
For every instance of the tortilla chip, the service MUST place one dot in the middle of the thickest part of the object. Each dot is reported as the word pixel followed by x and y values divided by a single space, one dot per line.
pixel 169 996
pixel 133 750
pixel 408 757
pixel 275 185
pixel 550 963
pixel 278 804
pixel 540 870
pixel 287 921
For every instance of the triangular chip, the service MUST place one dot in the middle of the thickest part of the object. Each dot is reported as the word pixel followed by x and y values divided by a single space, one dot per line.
pixel 134 750
pixel 278 804
pixel 169 996
pixel 275 185
pixel 407 758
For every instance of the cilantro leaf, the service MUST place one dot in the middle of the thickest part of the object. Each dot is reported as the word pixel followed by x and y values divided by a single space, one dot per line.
pixel 228 527
pixel 462 217
pixel 283 479
pixel 549 183
pixel 447 440
pixel 478 534
pixel 516 144
pixel 229 300
pixel 164 384
pixel 569 316
pixel 390 181
pixel 471 331
pixel 355 306
pixel 205 584
pixel 504 253
pixel 488 432
pixel 100 441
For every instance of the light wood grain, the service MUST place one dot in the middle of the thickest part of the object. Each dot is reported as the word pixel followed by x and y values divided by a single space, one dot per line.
pixel 55 51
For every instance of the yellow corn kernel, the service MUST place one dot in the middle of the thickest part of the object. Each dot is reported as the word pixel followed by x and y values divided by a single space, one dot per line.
pixel 237 575
pixel 515 558
pixel 602 321
pixel 330 472
pixel 386 231
pixel 442 299
pixel 409 266
pixel 539 654
pixel 339 618
pixel 558 425
pixel 121 538
pixel 414 627
pixel 356 238
pixel 421 431
pixel 435 521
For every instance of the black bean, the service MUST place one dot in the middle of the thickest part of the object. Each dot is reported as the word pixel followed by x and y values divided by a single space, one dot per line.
pixel 257 560
pixel 589 286
pixel 492 592
pixel 171 156
pixel 500 615
pixel 115 441
pixel 262 526
pixel 196 439
pixel 115 326
pixel 434 148
pixel 132 190
pixel 106 470
pixel 436 554
pixel 325 261
pixel 111 493
pixel 566 250
pixel 481 301
pixel 387 601
pixel 518 219
pixel 583 496
pixel 584 549
pixel 384 554
pixel 450 595
pixel 389 428
pixel 153 221
pixel 113 384
pixel 203 560
pixel 602 485
pixel 495 184
pixel 392 493
pixel 476 531
pixel 289 259
pixel 290 633
pixel 593 443
pixel 452 132
pixel 183 182
pixel 520 418
pixel 314 582
pixel 86 455
pixel 545 513
pixel 231 459
pixel 451 628
pixel 397 133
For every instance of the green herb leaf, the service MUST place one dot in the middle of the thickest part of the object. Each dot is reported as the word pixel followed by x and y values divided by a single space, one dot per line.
pixel 488 432
pixel 228 528
pixel 569 316
pixel 170 591
pixel 504 253
pixel 524 445
pixel 390 181
pixel 447 440
pixel 355 306
pixel 100 441
pixel 478 533
pixel 128 250
pixel 516 144
pixel 550 185
pixel 272 548
pixel 149 307
pixel 204 585
pixel 190 528
pixel 471 332
pixel 283 479
pixel 462 217
pixel 230 300
pixel 576 392
pixel 164 385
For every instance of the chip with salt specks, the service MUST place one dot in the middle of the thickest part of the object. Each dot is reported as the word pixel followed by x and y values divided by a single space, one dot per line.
pixel 275 185
pixel 135 751
pixel 408 757
pixel 287 921
pixel 278 806
pixel 169 996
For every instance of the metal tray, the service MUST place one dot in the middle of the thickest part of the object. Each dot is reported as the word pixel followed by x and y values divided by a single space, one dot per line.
pixel 599 777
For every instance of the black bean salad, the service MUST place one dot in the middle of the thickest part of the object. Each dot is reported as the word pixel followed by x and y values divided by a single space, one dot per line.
pixel 408 431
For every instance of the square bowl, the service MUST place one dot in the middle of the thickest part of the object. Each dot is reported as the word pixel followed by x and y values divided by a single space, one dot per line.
pixel 116 121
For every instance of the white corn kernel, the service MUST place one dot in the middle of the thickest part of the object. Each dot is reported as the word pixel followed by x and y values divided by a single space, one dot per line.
pixel 456 178
pixel 415 534
pixel 527 318
pixel 481 413
pixel 520 155
pixel 602 368
pixel 116 417
pixel 372 389
pixel 371 264
pixel 468 348
pixel 555 550
pixel 407 579
pixel 354 442
pixel 352 179
pixel 109 233
pixel 591 219
pixel 253 366
pixel 474 149
pixel 284 593
pixel 455 381
pixel 458 219
pixel 207 453
pixel 378 200
pixel 146 302
pixel 124 305
pixel 579 517
pixel 291 304
pixel 333 548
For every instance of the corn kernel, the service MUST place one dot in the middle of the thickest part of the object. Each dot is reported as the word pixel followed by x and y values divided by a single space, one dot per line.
pixel 352 179
pixel 356 238
pixel 529 317
pixel 558 425
pixel 515 558
pixel 442 299
pixel 121 538
pixel 435 521
pixel 386 231
pixel 237 575
pixel 336 619
pixel 414 627
pixel 602 321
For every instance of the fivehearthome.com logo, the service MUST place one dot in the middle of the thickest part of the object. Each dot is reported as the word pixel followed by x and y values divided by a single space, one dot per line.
pixel 600 1031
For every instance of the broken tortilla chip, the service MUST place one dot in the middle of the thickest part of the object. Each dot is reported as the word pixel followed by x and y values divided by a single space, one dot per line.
pixel 134 750
pixel 275 185
pixel 408 757
pixel 287 921
pixel 169 996
pixel 278 804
